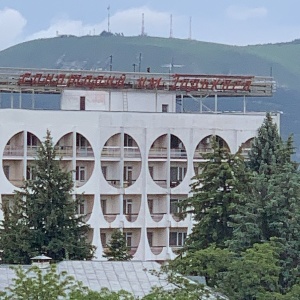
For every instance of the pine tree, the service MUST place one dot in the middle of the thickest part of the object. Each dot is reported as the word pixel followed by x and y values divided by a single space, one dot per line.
pixel 215 193
pixel 271 206
pixel 117 248
pixel 268 150
pixel 48 213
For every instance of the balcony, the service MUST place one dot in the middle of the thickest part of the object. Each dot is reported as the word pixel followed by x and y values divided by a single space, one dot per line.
pixel 132 152
pixel 178 153
pixel 115 183
pixel 80 183
pixel 13 150
pixel 110 217
pixel 158 153
pixel 156 249
pixel 245 152
pixel 32 150
pixel 84 152
pixel 202 150
pixel 64 151
pixel 111 151
pixel 131 217
pixel 157 216
pixel 161 183
pixel 132 250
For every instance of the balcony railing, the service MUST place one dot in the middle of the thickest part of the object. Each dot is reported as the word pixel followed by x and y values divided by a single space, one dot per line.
pixel 110 217
pixel 131 217
pixel 161 183
pixel 202 150
pixel 16 182
pixel 114 182
pixel 158 153
pixel 175 183
pixel 156 249
pixel 84 152
pixel 132 152
pixel 80 183
pixel 111 151
pixel 132 250
pixel 157 216
pixel 245 152
pixel 13 151
pixel 32 150
pixel 178 153
pixel 64 150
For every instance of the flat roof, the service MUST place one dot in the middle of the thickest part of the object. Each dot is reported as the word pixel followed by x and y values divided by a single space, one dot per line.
pixel 54 81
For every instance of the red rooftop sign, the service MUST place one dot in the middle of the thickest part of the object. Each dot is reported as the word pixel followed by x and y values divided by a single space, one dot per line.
pixel 176 82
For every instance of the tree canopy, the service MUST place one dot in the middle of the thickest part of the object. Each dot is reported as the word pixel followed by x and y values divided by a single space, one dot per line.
pixel 43 217
pixel 117 248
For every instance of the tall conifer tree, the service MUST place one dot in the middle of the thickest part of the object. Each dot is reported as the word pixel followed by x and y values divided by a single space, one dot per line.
pixel 215 193
pixel 47 212
pixel 271 208
pixel 117 249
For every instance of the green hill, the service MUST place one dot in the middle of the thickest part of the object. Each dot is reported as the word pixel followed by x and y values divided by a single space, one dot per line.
pixel 94 52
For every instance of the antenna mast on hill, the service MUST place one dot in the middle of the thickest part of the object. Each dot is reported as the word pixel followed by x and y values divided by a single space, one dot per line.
pixel 143 25
pixel 108 15
pixel 171 26
pixel 190 31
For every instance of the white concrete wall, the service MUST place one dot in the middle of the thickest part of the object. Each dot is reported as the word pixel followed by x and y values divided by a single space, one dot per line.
pixel 118 100
pixel 98 127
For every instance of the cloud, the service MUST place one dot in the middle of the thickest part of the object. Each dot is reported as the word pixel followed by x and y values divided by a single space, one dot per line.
pixel 245 13
pixel 12 24
pixel 128 22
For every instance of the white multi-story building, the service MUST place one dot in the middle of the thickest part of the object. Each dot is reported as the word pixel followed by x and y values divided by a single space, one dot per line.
pixel 132 151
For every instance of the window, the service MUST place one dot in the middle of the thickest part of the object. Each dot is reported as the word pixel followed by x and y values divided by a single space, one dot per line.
pixel 104 171
pixel 103 239
pixel 150 204
pixel 177 173
pixel 174 209
pixel 165 108
pixel 29 173
pixel 81 209
pixel 127 206
pixel 82 103
pixel 128 238
pixel 6 171
pixel 150 238
pixel 81 141
pixel 151 171
pixel 177 238
pixel 80 173
pixel 103 206
pixel 128 140
pixel 127 176
pixel 31 139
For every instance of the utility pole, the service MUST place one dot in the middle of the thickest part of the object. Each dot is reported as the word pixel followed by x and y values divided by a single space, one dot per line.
pixel 190 31
pixel 140 62
pixel 108 16
pixel 110 63
pixel 171 26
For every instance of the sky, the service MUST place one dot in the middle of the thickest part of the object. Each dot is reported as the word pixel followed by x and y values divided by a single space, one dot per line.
pixel 232 22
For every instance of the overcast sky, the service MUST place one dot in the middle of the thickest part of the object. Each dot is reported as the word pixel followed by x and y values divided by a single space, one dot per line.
pixel 234 22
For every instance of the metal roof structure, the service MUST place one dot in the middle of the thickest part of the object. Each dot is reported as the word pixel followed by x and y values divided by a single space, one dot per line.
pixel 54 81
pixel 136 277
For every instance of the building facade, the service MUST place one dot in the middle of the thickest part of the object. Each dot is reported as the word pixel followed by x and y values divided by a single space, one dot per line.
pixel 133 154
